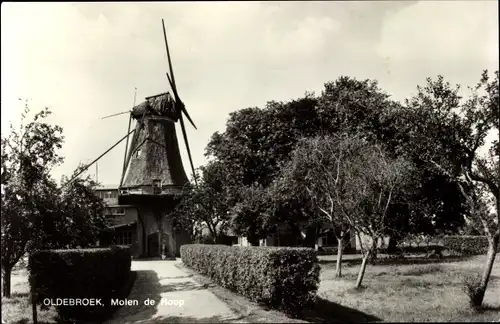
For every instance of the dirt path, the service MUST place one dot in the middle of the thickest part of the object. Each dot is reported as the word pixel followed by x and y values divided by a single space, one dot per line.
pixel 177 298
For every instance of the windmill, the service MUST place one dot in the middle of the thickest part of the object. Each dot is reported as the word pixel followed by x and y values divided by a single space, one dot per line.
pixel 153 174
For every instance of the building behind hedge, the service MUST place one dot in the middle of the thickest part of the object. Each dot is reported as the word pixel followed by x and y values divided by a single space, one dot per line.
pixel 325 243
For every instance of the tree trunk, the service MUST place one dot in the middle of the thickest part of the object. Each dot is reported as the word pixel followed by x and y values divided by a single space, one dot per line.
pixel 490 259
pixel 373 257
pixel 340 250
pixel 361 273
pixel 6 272
pixel 366 257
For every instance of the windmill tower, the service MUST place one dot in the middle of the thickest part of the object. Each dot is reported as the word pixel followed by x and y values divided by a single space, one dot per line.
pixel 153 175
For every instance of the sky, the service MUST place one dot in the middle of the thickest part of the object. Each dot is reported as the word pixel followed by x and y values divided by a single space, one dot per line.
pixel 84 60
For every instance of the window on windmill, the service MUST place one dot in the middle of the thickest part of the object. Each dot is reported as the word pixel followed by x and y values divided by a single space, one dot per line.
pixel 156 186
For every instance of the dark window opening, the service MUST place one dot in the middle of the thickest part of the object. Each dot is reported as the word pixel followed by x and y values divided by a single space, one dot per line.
pixel 156 186
pixel 123 238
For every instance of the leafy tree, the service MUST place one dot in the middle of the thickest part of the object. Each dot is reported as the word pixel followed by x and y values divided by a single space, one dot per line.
pixel 253 147
pixel 313 172
pixel 347 105
pixel 28 193
pixel 82 219
pixel 36 213
pixel 352 183
pixel 256 141
pixel 377 179
pixel 291 205
pixel 249 216
pixel 361 107
pixel 205 205
pixel 448 133
pixel 182 214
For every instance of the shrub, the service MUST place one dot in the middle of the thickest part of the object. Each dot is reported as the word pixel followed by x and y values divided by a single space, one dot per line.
pixel 100 273
pixel 284 278
pixel 472 287
pixel 465 244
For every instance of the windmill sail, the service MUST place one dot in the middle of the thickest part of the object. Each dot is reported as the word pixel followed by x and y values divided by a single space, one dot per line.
pixel 179 105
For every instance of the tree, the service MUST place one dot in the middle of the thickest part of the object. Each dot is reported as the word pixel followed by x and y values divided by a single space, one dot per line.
pixel 314 170
pixel 352 183
pixel 82 219
pixel 354 106
pixel 376 179
pixel 249 216
pixel 348 105
pixel 361 107
pixel 292 206
pixel 27 190
pixel 36 213
pixel 252 148
pixel 449 133
pixel 205 205
pixel 258 142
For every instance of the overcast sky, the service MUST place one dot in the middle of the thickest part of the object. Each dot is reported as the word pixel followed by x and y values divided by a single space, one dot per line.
pixel 84 60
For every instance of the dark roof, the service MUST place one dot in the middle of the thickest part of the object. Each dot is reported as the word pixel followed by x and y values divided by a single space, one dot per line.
pixel 157 105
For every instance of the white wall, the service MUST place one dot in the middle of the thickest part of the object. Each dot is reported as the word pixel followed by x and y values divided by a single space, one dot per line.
pixel 366 241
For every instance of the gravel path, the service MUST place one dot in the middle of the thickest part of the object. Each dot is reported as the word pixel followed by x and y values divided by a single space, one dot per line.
pixel 177 298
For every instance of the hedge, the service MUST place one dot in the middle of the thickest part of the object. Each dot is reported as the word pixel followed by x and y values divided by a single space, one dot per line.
pixel 100 273
pixel 466 244
pixel 283 278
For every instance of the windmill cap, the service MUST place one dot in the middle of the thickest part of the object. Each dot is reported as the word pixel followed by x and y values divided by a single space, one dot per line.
pixel 161 104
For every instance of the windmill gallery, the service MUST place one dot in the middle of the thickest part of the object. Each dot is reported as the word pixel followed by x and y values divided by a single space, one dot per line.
pixel 153 175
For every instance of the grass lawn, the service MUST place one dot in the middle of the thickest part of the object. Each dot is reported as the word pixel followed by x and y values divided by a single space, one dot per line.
pixel 17 309
pixel 412 292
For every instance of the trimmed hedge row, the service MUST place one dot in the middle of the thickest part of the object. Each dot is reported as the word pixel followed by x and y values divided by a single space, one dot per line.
pixel 280 277
pixel 99 273
pixel 466 244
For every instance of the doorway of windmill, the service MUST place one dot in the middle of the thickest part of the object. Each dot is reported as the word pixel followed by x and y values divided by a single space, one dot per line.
pixel 154 247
